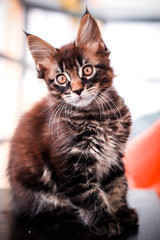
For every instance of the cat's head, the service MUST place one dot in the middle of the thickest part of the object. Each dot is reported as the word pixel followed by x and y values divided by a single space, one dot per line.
pixel 76 73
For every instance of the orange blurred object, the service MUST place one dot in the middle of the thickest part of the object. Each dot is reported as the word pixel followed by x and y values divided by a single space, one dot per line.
pixel 142 159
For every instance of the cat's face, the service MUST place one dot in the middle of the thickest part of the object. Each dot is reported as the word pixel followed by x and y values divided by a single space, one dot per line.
pixel 77 76
pixel 78 72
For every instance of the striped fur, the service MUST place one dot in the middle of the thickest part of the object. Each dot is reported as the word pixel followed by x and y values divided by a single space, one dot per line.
pixel 67 150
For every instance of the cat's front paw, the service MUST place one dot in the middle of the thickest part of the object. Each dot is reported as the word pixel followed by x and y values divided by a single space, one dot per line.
pixel 129 218
pixel 109 228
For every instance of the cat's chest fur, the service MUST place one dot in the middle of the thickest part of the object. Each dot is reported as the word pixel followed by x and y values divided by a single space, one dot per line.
pixel 92 145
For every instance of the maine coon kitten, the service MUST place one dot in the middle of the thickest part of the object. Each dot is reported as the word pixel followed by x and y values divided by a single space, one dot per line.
pixel 67 150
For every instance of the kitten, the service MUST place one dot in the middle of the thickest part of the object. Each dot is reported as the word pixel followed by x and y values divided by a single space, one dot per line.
pixel 67 150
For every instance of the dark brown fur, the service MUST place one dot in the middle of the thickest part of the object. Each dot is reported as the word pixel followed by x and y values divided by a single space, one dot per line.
pixel 70 156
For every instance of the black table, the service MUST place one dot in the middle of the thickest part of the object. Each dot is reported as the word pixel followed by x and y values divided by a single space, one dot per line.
pixel 147 204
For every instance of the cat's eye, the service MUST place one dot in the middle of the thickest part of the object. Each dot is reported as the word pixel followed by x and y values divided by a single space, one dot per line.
pixel 61 79
pixel 87 70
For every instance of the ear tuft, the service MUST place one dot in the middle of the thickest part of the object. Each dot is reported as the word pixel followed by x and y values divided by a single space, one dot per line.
pixel 27 34
pixel 86 12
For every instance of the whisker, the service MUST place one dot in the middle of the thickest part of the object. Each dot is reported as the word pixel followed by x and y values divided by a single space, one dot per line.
pixel 100 103
pixel 99 108
pixel 45 109
pixel 114 105
pixel 62 107
pixel 52 117
pixel 119 120
pixel 110 107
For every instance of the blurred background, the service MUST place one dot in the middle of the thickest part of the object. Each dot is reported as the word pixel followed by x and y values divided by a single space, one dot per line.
pixel 131 31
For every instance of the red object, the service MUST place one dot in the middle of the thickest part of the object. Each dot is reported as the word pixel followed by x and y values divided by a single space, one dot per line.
pixel 142 159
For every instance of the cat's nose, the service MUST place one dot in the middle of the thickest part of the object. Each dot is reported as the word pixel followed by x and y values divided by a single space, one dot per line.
pixel 77 86
pixel 78 92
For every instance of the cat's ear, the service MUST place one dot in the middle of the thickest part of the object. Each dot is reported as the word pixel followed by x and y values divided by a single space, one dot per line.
pixel 89 33
pixel 41 51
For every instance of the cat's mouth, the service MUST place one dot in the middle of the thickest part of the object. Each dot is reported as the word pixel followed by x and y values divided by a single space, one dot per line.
pixel 80 98
pixel 80 101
